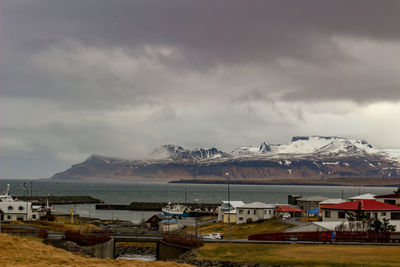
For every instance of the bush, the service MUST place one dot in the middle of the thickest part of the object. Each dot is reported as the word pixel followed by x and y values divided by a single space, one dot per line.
pixel 43 233
pixel 184 241
pixel 85 239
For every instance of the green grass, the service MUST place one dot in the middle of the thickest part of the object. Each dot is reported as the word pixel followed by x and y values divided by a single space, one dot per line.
pixel 303 255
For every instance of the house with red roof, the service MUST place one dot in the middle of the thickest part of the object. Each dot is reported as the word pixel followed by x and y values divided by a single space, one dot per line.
pixel 284 210
pixel 370 207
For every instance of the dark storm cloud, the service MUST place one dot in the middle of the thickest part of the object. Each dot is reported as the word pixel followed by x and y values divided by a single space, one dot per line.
pixel 207 34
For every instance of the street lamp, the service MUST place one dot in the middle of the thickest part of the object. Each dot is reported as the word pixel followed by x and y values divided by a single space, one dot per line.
pixel 26 193
pixel 229 209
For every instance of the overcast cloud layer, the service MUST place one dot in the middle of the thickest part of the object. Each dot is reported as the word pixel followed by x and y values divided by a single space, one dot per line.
pixel 120 78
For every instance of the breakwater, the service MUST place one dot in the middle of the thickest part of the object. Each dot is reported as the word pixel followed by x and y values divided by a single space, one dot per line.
pixel 61 199
pixel 157 206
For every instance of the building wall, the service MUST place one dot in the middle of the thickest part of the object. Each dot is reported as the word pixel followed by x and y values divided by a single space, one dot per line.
pixel 388 200
pixel 334 215
pixel 254 214
pixel 233 217
pixel 308 205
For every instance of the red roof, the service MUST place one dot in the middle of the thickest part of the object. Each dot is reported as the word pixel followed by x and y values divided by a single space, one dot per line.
pixel 389 196
pixel 366 204
pixel 287 209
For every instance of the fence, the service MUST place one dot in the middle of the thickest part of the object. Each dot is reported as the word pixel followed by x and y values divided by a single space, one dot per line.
pixel 326 236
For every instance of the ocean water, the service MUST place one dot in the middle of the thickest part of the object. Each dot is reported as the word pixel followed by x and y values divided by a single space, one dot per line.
pixel 143 191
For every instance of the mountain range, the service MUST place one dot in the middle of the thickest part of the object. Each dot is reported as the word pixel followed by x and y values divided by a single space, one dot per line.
pixel 304 158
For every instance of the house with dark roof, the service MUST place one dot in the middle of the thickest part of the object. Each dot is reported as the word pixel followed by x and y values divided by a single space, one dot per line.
pixel 393 199
pixel 371 208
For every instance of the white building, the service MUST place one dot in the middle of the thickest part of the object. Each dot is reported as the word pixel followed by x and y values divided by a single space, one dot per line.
pixel 255 211
pixel 19 211
pixel 225 208
pixel 14 210
pixel 363 196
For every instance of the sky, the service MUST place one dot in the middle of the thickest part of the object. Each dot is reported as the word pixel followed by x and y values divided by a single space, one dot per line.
pixel 121 78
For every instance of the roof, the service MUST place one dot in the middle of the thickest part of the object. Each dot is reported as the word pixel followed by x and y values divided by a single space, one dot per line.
pixel 285 208
pixel 331 201
pixel 257 205
pixel 366 204
pixel 234 203
pixel 395 195
pixel 315 226
pixel 363 196
pixel 313 211
pixel 312 198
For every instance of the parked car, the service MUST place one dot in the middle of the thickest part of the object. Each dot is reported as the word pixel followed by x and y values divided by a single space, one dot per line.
pixel 213 236
pixel 286 216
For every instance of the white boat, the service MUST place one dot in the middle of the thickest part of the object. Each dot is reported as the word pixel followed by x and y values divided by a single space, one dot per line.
pixel 176 210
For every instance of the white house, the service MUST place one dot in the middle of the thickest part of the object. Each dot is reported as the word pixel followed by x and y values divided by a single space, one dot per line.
pixel 371 208
pixel 19 211
pixel 14 210
pixel 225 207
pixel 255 211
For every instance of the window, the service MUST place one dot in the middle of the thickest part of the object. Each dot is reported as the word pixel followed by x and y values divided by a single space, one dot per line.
pixel 33 216
pixel 327 213
pixel 390 201
pixel 10 208
pixel 248 212
pixel 240 218
pixel 368 215
pixel 20 208
pixel 265 212
pixel 341 215
pixel 240 211
pixel 395 216
pixel 383 213
pixel 8 217
pixel 254 212
pixel 375 215
pixel 270 212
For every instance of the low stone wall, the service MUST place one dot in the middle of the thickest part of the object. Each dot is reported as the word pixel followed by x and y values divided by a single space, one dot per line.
pixel 104 250
pixel 167 251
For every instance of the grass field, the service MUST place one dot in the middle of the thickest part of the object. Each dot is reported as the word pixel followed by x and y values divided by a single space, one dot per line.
pixel 240 231
pixel 19 251
pixel 62 224
pixel 303 255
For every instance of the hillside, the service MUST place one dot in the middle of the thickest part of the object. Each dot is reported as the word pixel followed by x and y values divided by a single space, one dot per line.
pixel 18 251
pixel 309 157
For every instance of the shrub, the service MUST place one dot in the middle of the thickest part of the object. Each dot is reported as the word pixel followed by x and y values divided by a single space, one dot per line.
pixel 85 239
pixel 43 233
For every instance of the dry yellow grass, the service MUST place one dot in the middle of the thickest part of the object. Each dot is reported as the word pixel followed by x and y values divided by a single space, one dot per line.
pixel 60 226
pixel 304 255
pixel 18 251
pixel 239 231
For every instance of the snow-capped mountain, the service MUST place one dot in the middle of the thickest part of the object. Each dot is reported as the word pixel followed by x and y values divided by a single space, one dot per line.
pixel 304 157
pixel 176 152
pixel 309 145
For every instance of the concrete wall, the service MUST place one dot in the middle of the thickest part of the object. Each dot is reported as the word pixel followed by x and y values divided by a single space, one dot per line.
pixel 104 250
pixel 244 214
pixel 334 215
pixel 168 252
pixel 233 217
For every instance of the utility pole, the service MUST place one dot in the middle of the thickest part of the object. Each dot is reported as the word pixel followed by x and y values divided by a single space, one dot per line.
pixel 229 211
